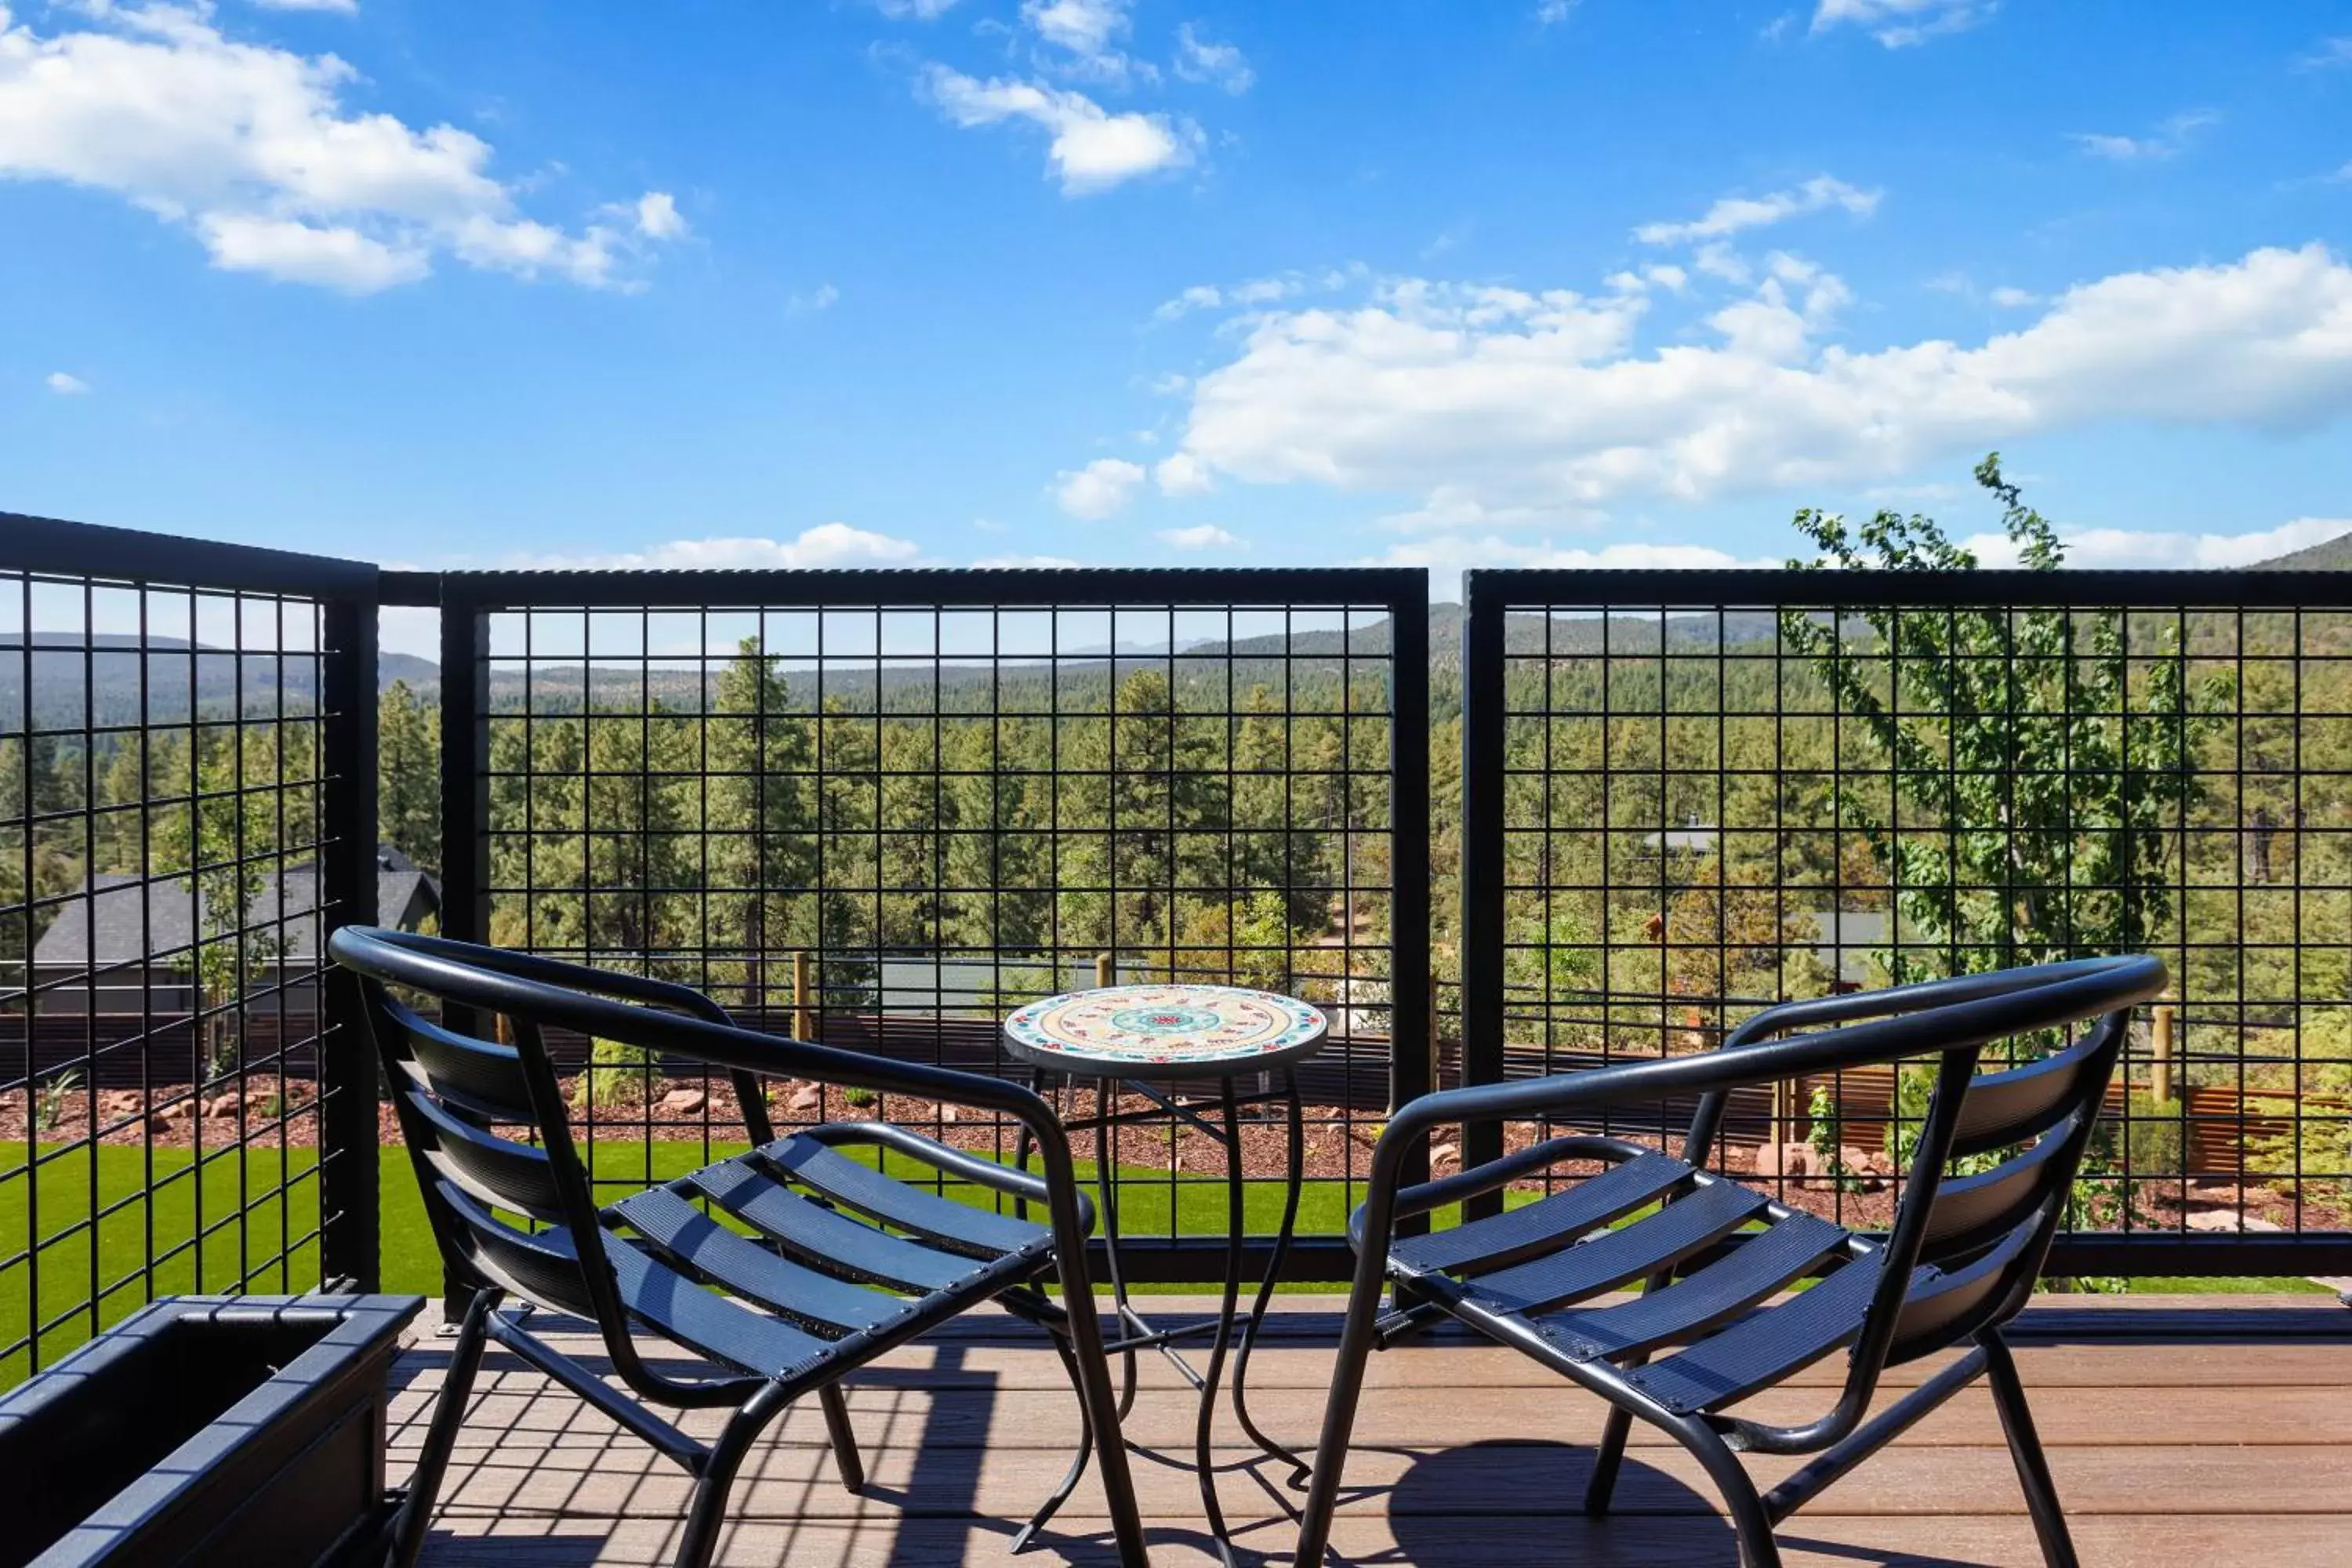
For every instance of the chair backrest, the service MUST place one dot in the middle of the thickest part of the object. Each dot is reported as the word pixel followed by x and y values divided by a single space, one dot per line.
pixel 510 1203
pixel 470 1110
pixel 1965 1251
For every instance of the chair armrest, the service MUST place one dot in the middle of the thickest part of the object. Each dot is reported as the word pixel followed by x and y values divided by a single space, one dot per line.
pixel 576 977
pixel 1872 1030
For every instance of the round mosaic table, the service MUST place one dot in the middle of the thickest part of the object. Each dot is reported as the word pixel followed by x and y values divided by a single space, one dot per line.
pixel 1165 1032
pixel 1140 1035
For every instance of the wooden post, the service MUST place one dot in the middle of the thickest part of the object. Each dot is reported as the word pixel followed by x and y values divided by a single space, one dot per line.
pixel 1104 968
pixel 800 994
pixel 2159 1067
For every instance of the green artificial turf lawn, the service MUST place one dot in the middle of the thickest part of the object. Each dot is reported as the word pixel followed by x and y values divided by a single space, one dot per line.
pixel 255 1241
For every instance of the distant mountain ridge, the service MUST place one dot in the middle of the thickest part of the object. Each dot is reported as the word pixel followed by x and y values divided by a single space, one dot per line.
pixel 214 679
pixel 2328 555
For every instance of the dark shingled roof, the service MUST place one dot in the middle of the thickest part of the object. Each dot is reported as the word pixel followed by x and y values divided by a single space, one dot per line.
pixel 124 912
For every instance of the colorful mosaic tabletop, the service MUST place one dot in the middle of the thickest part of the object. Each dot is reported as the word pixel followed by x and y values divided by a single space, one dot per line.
pixel 1145 1031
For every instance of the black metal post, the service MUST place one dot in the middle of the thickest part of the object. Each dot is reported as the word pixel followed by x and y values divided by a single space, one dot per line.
pixel 1481 924
pixel 350 1216
pixel 1412 1047
pixel 465 777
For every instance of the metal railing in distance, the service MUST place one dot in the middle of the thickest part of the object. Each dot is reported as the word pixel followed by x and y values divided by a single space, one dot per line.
pixel 186 805
pixel 885 808
pixel 1685 786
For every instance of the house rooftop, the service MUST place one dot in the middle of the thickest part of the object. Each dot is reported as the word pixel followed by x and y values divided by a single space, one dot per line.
pixel 120 916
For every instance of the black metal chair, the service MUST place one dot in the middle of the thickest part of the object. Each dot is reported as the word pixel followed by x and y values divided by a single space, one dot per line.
pixel 800 1310
pixel 1960 1262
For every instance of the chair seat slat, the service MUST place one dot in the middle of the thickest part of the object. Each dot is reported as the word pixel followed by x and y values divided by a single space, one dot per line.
pixel 831 1307
pixel 1617 1256
pixel 674 1306
pixel 960 1227
pixel 1767 1346
pixel 1759 1267
pixel 1546 1225
pixel 824 1239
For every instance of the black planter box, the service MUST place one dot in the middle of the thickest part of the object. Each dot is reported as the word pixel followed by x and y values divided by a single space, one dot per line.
pixel 245 1431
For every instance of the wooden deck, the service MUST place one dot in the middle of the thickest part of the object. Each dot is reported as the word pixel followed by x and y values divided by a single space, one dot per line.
pixel 2195 1430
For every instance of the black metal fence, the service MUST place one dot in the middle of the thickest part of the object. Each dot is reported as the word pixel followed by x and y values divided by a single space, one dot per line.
pixel 882 808
pixel 1693 793
pixel 885 808
pixel 186 806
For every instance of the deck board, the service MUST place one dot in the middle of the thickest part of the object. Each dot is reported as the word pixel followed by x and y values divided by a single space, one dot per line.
pixel 2204 1430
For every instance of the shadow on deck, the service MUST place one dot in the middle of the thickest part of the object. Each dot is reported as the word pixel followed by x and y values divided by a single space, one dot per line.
pixel 2183 1430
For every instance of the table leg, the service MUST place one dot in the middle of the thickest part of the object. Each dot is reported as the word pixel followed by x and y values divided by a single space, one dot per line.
pixel 1204 1455
pixel 1296 1176
pixel 1078 1467
pixel 1106 1186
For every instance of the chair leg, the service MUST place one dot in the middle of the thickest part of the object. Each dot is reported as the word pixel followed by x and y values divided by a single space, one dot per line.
pixel 1340 1416
pixel 449 1416
pixel 845 1439
pixel 1102 1411
pixel 1078 1468
pixel 2025 1450
pixel 708 1513
pixel 1749 1522
pixel 1606 1460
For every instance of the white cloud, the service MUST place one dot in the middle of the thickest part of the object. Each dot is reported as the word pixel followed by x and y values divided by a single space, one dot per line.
pixel 1912 495
pixel 1202 536
pixel 1182 474
pixel 1448 556
pixel 823 296
pixel 826 544
pixel 340 7
pixel 658 216
pixel 916 10
pixel 1087 33
pixel 252 149
pixel 409 628
pixel 2329 54
pixel 1550 13
pixel 2010 299
pixel 1198 297
pixel 1732 214
pixel 1205 60
pixel 2166 141
pixel 1267 291
pixel 1485 403
pixel 1092 149
pixel 1101 490
pixel 65 383
pixel 1897 24
pixel 2114 547
pixel 294 252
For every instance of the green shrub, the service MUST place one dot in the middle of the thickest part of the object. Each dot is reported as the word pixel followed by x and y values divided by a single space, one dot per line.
pixel 2156 1137
pixel 616 1075
pixel 859 1099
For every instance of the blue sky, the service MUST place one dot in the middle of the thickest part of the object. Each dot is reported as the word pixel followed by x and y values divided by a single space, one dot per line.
pixel 1110 281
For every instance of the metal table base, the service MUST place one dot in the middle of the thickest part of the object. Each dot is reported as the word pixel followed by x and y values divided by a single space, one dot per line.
pixel 1136 1335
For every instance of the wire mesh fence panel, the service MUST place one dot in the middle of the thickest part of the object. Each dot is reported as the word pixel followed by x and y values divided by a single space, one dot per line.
pixel 1711 792
pixel 884 810
pixel 170 857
